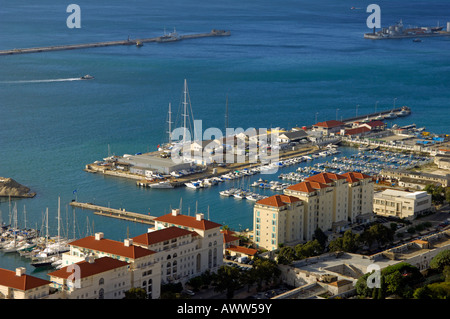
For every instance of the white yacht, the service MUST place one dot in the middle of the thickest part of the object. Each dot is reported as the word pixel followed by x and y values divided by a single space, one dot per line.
pixel 164 184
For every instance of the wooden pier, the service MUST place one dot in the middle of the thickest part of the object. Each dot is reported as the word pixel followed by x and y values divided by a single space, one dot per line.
pixel 115 213
pixel 213 33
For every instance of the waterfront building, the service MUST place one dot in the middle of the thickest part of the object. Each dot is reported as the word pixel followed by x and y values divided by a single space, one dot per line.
pixel 327 201
pixel 143 265
pixel 401 204
pixel 292 136
pixel 360 195
pixel 278 220
pixel 93 278
pixel 340 193
pixel 328 127
pixel 208 241
pixel 317 199
pixel 176 250
pixel 18 285
pixel 420 178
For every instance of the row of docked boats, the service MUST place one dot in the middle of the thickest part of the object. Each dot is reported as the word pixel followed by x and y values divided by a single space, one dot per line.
pixel 41 250
pixel 266 168
pixel 372 162
pixel 241 194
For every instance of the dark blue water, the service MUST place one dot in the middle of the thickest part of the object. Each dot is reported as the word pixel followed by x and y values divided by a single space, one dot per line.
pixel 286 63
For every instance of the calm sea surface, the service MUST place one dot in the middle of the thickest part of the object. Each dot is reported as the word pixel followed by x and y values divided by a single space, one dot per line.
pixel 285 64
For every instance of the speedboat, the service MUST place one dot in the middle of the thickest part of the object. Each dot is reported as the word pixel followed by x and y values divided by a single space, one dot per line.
pixel 87 77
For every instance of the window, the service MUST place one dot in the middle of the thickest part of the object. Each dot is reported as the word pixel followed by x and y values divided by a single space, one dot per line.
pixel 101 281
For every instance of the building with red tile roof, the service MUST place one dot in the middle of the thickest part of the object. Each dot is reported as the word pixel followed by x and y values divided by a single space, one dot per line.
pixel 328 127
pixel 18 285
pixel 94 278
pixel 208 239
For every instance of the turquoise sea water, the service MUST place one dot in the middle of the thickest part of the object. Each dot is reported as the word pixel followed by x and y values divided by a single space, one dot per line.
pixel 285 63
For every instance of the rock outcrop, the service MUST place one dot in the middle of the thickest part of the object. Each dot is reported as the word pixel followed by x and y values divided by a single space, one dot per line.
pixel 9 187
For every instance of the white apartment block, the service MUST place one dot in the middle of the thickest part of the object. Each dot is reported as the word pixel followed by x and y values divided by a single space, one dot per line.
pixel 326 201
pixel 360 196
pixel 94 278
pixel 208 241
pixel 401 204
pixel 318 202
pixel 145 271
pixel 176 249
pixel 278 220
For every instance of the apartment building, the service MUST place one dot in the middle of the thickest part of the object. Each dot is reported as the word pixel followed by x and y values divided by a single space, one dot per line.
pixel 317 200
pixel 176 249
pixel 145 270
pixel 209 239
pixel 401 204
pixel 278 220
pixel 18 285
pixel 340 192
pixel 93 278
pixel 360 196
pixel 327 201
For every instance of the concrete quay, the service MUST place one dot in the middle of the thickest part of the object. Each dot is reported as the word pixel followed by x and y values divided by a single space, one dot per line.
pixel 213 33
pixel 115 213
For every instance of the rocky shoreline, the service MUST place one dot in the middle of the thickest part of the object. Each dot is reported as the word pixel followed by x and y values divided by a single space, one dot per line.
pixel 11 188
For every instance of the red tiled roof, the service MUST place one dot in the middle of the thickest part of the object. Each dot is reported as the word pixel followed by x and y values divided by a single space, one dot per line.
pixel 330 124
pixel 353 177
pixel 325 178
pixel 87 269
pixel 243 250
pixel 9 279
pixel 375 123
pixel 112 247
pixel 358 130
pixel 158 236
pixel 278 200
pixel 228 236
pixel 307 186
pixel 187 221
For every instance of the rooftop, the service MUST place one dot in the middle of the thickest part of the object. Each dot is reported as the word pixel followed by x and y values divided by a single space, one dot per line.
pixel 278 200
pixel 24 282
pixel 87 269
pixel 111 247
pixel 161 235
pixel 197 222
pixel 307 186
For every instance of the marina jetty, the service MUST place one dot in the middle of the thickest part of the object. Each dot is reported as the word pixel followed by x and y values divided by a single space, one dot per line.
pixel 137 42
pixel 398 31
pixel 115 213
pixel 11 188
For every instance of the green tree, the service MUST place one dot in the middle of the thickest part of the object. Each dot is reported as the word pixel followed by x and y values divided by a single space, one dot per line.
pixel 136 293
pixel 227 279
pixel 438 290
pixel 309 249
pixel 436 192
pixel 266 270
pixel 441 260
pixel 320 236
pixel 286 255
pixel 349 242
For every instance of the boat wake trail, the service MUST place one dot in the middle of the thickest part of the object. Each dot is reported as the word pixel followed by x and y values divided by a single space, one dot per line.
pixel 44 81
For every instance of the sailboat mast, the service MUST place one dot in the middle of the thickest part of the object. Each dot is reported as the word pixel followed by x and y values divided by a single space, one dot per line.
pixel 226 116
pixel 59 217
pixel 185 111
pixel 170 123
